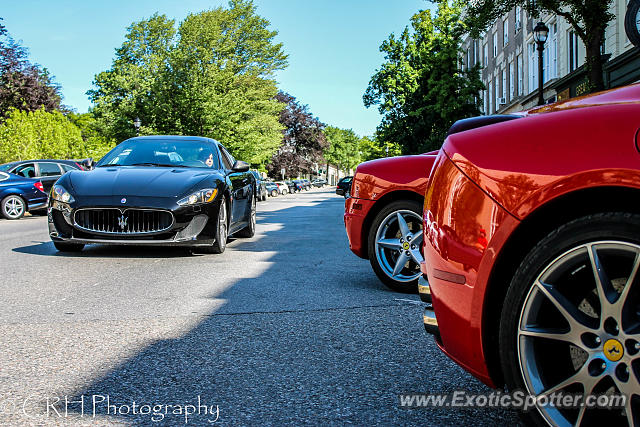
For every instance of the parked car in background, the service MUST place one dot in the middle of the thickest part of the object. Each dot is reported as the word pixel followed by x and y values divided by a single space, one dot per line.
pixel 307 184
pixel 19 195
pixel 299 185
pixel 272 188
pixel 343 185
pixel 293 187
pixel 383 216
pixel 283 187
pixel 156 190
pixel 319 182
pixel 47 171
pixel 542 293
pixel 261 185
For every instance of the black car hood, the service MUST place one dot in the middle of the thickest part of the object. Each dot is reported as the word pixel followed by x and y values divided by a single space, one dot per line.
pixel 142 181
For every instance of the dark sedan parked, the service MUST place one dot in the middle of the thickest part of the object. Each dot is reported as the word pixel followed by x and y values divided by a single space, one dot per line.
pixel 156 190
pixel 47 171
pixel 344 185
pixel 261 186
pixel 19 195
pixel 293 187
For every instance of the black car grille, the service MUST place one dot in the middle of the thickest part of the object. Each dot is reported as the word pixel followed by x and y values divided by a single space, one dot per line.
pixel 129 221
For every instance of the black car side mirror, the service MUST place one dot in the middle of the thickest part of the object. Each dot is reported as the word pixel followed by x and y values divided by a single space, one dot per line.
pixel 240 166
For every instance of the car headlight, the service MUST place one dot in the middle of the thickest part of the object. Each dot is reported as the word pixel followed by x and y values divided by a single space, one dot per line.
pixel 60 194
pixel 207 195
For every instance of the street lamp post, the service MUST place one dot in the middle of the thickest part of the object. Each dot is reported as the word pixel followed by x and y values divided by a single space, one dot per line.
pixel 540 34
pixel 136 124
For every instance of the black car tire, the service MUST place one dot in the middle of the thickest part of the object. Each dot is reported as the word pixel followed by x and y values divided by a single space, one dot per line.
pixel 562 266
pixel 222 230
pixel 274 193
pixel 250 229
pixel 400 205
pixel 68 247
pixel 13 207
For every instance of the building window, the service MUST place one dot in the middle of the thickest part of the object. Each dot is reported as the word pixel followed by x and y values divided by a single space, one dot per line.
pixel 551 54
pixel 572 51
pixel 520 73
pixel 489 98
pixel 475 52
pixel 495 44
pixel 550 59
pixel 518 18
pixel 505 32
pixel 512 86
pixel 504 84
pixel 533 66
pixel 497 94
pixel 486 101
pixel 485 50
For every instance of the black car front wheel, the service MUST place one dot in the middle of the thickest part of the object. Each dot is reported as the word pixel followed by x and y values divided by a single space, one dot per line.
pixel 13 207
pixel 571 321
pixel 222 231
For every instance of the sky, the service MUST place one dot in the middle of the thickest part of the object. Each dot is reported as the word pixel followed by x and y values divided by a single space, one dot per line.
pixel 333 45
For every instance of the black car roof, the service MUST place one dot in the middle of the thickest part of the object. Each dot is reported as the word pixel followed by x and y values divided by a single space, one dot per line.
pixel 172 138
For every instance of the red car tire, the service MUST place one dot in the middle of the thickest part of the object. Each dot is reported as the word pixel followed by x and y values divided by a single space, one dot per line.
pixel 571 319
pixel 386 227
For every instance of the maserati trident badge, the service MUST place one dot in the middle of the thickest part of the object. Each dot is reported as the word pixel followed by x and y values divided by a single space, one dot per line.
pixel 122 222
pixel 124 200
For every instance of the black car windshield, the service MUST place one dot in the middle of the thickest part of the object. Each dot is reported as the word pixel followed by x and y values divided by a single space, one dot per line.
pixel 163 153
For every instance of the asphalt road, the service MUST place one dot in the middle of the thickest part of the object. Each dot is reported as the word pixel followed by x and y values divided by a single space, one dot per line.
pixel 286 328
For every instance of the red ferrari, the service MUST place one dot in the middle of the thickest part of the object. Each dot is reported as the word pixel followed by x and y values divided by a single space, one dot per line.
pixel 532 250
pixel 383 217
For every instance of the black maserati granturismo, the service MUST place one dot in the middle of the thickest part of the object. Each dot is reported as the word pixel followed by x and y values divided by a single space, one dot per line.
pixel 155 190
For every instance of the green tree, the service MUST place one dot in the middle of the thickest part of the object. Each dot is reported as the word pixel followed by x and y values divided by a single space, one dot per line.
pixel 92 132
pixel 589 19
pixel 420 89
pixel 213 77
pixel 372 148
pixel 344 148
pixel 24 85
pixel 39 134
pixel 302 140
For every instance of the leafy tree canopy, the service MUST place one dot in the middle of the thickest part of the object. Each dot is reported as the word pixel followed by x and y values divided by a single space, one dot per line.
pixel 40 134
pixel 373 148
pixel 24 85
pixel 420 89
pixel 345 149
pixel 212 76
pixel 92 132
pixel 589 19
pixel 303 140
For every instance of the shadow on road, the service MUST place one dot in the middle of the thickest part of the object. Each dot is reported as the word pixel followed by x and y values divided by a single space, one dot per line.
pixel 315 339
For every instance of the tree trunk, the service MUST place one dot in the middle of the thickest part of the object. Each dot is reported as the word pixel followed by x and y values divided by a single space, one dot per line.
pixel 594 63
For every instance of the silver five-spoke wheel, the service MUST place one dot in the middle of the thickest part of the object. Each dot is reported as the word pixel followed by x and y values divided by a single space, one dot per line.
pixel 570 324
pixel 598 329
pixel 396 247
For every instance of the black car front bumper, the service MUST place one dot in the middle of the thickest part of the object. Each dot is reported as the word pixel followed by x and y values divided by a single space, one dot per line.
pixel 191 226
